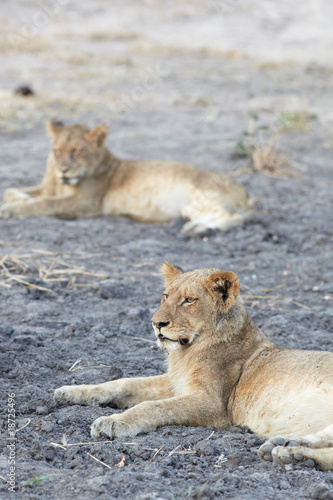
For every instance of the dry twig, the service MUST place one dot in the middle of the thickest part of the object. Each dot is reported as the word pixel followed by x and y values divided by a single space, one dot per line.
pixel 100 461
pixel 68 445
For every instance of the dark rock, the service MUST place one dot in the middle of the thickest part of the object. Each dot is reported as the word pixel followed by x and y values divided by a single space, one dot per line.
pixel 24 90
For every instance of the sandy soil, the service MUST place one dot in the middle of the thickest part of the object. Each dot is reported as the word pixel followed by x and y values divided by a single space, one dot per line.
pixel 173 82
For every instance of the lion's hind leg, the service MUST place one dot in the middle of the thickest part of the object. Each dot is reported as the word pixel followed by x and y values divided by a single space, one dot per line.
pixel 205 211
pixel 313 450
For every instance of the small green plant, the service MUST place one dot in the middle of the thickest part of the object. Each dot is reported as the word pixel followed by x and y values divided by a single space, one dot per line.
pixel 259 143
pixel 241 150
pixel 295 121
pixel 36 480
pixel 245 143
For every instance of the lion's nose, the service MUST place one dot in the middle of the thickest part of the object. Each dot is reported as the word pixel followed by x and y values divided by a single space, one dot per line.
pixel 161 324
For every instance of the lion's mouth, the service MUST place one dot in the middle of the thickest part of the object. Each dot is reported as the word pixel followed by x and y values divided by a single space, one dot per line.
pixel 72 181
pixel 182 341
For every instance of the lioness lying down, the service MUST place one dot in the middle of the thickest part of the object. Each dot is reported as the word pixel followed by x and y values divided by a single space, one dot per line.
pixel 222 371
pixel 83 179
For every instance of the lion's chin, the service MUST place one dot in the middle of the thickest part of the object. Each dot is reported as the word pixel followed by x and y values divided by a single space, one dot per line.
pixel 168 346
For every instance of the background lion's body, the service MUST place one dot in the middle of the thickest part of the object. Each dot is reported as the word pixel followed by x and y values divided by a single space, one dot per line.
pixel 158 191
pixel 83 179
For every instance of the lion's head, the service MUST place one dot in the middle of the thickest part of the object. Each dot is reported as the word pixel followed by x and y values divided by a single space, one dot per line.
pixel 77 151
pixel 193 303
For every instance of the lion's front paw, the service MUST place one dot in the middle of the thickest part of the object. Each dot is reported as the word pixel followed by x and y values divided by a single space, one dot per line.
pixel 65 395
pixel 75 395
pixel 104 426
pixel 5 212
pixel 112 427
pixel 11 195
pixel 90 395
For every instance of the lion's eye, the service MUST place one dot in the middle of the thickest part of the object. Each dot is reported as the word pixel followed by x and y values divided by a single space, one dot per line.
pixel 56 152
pixel 80 152
pixel 164 297
pixel 73 153
pixel 188 301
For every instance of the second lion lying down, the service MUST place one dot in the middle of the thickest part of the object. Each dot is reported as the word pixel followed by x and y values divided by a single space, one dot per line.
pixel 223 371
pixel 83 179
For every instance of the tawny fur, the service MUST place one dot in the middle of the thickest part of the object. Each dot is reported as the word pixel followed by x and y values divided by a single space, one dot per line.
pixel 83 179
pixel 222 371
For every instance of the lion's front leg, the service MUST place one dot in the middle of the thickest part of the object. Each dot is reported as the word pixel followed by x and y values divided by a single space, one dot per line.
pixel 122 393
pixel 66 207
pixel 193 409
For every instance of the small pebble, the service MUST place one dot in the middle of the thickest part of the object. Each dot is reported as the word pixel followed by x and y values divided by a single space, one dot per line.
pixel 24 90
pixel 75 463
pixel 42 410
pixel 47 427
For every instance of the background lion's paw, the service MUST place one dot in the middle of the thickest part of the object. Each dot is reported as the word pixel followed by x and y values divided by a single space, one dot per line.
pixel 5 212
pixel 11 195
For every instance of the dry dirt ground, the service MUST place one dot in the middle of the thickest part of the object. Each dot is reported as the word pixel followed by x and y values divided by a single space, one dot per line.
pixel 174 82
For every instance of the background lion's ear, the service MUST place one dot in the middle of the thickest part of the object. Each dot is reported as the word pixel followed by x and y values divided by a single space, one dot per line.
pixel 225 284
pixel 98 135
pixel 170 272
pixel 54 127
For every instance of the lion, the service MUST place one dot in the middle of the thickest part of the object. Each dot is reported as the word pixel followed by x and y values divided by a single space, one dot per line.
pixel 222 371
pixel 83 179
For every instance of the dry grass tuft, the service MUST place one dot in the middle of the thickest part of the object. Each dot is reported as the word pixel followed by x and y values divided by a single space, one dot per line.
pixel 41 267
pixel 118 36
pixel 272 302
pixel 267 160
pixel 260 144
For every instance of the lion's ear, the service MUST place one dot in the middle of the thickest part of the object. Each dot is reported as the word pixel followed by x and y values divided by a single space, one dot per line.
pixel 225 284
pixel 54 127
pixel 170 272
pixel 98 135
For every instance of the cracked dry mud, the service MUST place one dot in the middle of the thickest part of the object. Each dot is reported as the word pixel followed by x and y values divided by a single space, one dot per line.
pixel 94 283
